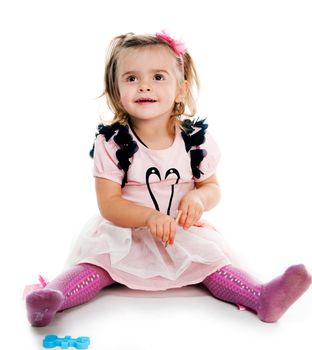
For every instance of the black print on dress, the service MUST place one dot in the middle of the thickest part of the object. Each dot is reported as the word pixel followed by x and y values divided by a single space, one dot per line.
pixel 155 171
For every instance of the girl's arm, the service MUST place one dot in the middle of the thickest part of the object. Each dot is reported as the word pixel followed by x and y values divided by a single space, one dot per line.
pixel 117 210
pixel 209 192
pixel 203 198
pixel 124 213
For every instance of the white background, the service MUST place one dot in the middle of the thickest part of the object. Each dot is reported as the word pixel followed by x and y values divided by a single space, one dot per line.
pixel 254 60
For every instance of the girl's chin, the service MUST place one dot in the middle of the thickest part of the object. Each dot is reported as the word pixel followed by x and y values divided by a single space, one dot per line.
pixel 147 117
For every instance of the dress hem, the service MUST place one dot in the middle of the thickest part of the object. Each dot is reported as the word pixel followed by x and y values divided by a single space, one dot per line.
pixel 134 286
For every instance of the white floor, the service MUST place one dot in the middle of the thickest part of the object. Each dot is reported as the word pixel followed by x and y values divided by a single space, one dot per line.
pixel 185 318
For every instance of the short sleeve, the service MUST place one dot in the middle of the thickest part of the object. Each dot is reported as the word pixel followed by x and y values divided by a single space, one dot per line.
pixel 208 165
pixel 105 161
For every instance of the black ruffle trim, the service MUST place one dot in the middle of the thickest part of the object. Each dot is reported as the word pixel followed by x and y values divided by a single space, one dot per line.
pixel 127 146
pixel 192 139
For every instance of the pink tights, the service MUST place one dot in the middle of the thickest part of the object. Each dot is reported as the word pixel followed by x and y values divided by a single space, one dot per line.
pixel 269 300
pixel 73 287
pixel 84 281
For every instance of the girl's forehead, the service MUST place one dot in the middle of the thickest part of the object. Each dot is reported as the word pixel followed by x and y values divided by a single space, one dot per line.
pixel 149 57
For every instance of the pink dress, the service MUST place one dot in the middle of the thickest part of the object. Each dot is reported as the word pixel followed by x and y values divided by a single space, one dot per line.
pixel 132 256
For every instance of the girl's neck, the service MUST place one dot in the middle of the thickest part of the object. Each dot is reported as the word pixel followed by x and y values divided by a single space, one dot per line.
pixel 155 134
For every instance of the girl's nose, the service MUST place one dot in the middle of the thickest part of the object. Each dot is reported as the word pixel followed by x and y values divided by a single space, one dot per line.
pixel 144 86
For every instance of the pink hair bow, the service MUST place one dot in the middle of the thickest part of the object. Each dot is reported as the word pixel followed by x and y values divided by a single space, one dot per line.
pixel 177 46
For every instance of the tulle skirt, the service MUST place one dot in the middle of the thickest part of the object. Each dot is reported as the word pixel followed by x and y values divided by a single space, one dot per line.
pixel 133 257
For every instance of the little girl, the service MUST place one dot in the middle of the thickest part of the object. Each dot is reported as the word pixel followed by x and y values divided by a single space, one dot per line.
pixel 155 175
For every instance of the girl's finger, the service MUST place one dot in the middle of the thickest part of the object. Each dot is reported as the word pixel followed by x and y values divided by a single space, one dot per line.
pixel 190 218
pixel 166 231
pixel 178 216
pixel 153 230
pixel 159 231
pixel 173 226
pixel 183 216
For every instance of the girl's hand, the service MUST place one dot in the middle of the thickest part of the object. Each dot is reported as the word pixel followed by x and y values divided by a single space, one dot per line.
pixel 192 209
pixel 162 227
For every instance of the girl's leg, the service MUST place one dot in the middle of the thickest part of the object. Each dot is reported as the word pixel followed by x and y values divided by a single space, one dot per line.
pixel 269 300
pixel 73 287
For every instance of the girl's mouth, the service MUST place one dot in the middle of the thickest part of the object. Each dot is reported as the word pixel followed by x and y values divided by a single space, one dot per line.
pixel 145 100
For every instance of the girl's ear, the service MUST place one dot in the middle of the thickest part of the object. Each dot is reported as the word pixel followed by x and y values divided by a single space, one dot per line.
pixel 182 91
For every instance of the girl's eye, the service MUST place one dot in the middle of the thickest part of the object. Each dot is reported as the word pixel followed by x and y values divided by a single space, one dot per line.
pixel 159 77
pixel 131 78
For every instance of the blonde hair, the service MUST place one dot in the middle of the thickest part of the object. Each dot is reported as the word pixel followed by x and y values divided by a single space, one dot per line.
pixel 185 66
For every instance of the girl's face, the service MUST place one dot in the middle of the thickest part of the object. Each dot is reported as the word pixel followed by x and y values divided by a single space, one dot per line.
pixel 148 82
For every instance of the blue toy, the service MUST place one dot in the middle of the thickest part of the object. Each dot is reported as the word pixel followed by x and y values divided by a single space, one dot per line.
pixel 51 341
